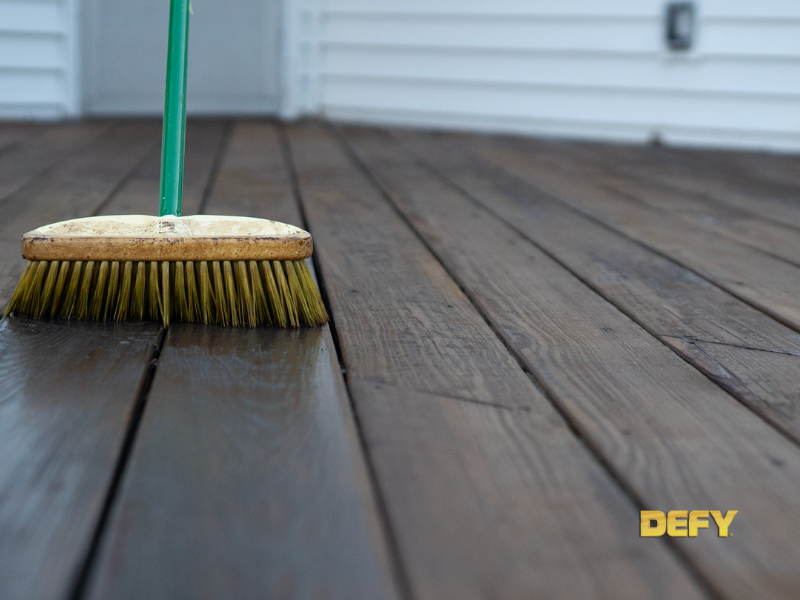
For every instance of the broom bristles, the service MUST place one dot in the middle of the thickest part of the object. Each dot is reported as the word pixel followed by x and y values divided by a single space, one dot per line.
pixel 238 293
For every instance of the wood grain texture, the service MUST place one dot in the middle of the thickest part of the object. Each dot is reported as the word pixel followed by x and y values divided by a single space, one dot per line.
pixel 779 169
pixel 76 187
pixel 488 492
pixel 66 393
pixel 40 152
pixel 247 479
pixel 730 177
pixel 253 180
pixel 737 218
pixel 671 435
pixel 139 194
pixel 776 203
pixel 742 349
pixel 768 283
pixel 12 133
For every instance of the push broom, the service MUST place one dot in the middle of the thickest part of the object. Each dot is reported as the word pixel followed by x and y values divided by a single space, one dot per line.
pixel 237 271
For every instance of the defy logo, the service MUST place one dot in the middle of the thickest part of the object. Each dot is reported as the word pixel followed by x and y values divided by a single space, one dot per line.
pixel 682 523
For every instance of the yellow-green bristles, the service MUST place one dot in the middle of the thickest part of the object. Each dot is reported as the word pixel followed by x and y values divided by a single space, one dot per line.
pixel 237 293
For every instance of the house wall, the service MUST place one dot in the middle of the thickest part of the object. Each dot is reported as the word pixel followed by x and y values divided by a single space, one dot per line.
pixel 38 59
pixel 569 67
pixel 578 68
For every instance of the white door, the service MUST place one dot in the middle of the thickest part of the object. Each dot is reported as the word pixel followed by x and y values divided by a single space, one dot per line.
pixel 233 56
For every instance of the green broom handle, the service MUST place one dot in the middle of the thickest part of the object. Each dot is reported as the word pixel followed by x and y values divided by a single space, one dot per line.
pixel 174 128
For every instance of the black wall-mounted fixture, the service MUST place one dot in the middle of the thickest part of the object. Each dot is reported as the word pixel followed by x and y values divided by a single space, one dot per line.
pixel 679 25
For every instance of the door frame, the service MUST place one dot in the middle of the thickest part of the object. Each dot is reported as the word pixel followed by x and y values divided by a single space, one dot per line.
pixel 298 57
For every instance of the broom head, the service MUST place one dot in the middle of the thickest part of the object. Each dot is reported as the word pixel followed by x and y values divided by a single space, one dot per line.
pixel 236 271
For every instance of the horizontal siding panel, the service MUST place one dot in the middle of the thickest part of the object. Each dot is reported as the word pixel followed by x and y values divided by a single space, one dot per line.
pixel 742 9
pixel 37 62
pixel 568 66
pixel 537 69
pixel 751 38
pixel 613 107
pixel 625 8
pixel 586 34
pixel 19 88
pixel 34 16
pixel 750 9
pixel 38 51
pixel 727 37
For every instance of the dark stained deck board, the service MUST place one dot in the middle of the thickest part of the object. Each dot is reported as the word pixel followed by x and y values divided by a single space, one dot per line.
pixel 768 283
pixel 12 133
pixel 141 191
pixel 247 478
pixel 36 154
pixel 725 179
pixel 759 175
pixel 645 411
pixel 776 169
pixel 67 391
pixel 748 353
pixel 253 180
pixel 77 187
pixel 483 489
pixel 488 491
pixel 244 481
pixel 741 220
pixel 774 203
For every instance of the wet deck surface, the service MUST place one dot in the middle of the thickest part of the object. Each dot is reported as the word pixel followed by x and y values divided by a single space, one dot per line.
pixel 531 342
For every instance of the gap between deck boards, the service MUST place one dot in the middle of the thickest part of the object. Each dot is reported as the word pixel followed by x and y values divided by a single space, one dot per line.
pixel 374 153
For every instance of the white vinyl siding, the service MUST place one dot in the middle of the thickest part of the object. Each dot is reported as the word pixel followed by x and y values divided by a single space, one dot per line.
pixel 573 67
pixel 38 59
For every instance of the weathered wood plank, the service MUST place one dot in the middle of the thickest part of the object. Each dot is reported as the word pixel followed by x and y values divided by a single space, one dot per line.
pixel 740 220
pixel 40 152
pixel 768 283
pixel 749 354
pixel 671 435
pixel 731 178
pixel 253 180
pixel 776 203
pixel 247 479
pixel 488 492
pixel 67 390
pixel 76 188
pixel 13 132
pixel 140 193
pixel 766 170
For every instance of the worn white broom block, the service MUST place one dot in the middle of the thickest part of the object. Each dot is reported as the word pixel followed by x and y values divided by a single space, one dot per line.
pixel 147 238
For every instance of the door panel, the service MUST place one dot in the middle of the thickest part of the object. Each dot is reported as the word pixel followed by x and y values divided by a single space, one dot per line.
pixel 233 56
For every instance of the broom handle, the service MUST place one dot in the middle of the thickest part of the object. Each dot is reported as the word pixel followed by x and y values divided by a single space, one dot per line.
pixel 174 128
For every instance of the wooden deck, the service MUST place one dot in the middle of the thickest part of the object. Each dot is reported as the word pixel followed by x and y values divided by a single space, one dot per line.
pixel 531 342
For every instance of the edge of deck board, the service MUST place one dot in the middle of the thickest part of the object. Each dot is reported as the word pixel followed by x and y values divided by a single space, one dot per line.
pixel 268 482
pixel 465 448
pixel 67 391
pixel 742 349
pixel 644 411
